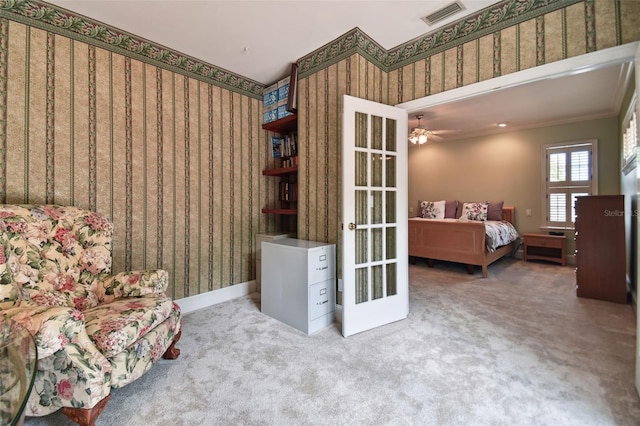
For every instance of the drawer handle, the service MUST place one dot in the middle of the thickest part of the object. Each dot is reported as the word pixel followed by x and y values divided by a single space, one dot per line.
pixel 322 269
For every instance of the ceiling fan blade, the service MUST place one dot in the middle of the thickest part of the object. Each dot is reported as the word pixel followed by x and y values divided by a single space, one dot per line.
pixel 443 132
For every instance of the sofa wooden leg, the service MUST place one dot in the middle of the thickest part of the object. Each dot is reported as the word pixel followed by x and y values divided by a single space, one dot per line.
pixel 86 416
pixel 173 352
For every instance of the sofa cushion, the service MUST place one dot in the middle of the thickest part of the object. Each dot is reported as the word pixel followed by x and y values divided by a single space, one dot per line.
pixel 116 325
pixel 9 291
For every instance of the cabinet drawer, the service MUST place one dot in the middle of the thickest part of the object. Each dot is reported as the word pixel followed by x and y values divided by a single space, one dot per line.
pixel 321 267
pixel 543 241
pixel 321 299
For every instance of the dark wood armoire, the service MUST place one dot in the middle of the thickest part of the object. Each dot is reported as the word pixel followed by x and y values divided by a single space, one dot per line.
pixel 600 248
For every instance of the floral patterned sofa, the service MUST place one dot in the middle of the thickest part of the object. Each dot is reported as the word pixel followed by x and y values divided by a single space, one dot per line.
pixel 94 331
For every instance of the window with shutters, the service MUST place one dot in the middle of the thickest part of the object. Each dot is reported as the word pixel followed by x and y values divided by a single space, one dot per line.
pixel 630 138
pixel 570 172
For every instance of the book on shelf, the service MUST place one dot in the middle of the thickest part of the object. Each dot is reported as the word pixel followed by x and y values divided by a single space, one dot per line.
pixel 284 146
pixel 277 146
pixel 288 191
pixel 290 162
pixel 290 145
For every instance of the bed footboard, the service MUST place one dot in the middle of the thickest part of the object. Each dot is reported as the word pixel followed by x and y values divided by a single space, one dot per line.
pixel 453 241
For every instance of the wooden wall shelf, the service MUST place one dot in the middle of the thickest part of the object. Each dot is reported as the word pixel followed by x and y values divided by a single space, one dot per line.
pixel 282 171
pixel 284 125
pixel 281 211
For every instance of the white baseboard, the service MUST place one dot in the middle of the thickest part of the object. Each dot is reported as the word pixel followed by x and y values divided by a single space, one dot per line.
pixel 210 298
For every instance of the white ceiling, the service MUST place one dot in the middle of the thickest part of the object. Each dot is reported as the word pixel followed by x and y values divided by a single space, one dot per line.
pixel 274 33
pixel 591 94
pixel 259 39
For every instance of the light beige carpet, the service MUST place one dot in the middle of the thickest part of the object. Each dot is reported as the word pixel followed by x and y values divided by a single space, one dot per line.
pixel 517 348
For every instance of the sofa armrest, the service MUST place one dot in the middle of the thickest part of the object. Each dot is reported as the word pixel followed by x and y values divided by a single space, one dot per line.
pixel 71 372
pixel 132 284
pixel 52 327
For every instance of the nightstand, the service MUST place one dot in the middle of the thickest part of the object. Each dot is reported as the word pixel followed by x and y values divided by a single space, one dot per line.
pixel 545 247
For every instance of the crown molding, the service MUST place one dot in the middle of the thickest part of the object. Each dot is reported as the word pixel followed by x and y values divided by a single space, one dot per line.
pixel 353 41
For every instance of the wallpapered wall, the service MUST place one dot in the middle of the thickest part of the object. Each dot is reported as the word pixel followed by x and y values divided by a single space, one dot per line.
pixel 175 162
pixel 577 28
pixel 171 148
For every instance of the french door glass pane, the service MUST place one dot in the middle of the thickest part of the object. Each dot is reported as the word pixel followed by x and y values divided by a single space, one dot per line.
pixel 392 285
pixel 361 130
pixel 361 178
pixel 391 243
pixel 391 171
pixel 391 135
pixel 361 246
pixel 391 207
pixel 376 132
pixel 376 214
pixel 376 244
pixel 376 169
pixel 361 207
pixel 376 277
pixel 362 285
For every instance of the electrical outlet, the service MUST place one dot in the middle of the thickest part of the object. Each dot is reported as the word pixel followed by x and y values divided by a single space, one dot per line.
pixel 528 212
pixel 410 209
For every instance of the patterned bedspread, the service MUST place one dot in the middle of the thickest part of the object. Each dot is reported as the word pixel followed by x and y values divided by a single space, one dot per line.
pixel 499 233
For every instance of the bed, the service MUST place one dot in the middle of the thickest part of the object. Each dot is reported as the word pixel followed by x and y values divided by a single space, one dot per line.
pixel 461 241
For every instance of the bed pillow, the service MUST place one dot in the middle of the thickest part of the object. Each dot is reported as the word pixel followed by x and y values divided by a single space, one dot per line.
pixel 494 211
pixel 474 211
pixel 450 209
pixel 432 209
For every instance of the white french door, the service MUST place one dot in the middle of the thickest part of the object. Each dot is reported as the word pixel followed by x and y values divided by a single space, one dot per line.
pixel 374 215
pixel 635 216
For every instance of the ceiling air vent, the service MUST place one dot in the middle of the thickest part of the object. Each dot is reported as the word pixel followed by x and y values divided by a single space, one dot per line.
pixel 444 13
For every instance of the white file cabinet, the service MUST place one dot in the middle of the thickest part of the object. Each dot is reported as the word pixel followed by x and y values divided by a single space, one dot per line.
pixel 298 283
pixel 260 238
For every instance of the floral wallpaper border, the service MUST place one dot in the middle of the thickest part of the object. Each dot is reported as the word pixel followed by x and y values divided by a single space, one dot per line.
pixel 491 19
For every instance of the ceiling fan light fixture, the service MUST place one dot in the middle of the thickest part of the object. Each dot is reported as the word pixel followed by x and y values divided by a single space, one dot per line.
pixel 418 136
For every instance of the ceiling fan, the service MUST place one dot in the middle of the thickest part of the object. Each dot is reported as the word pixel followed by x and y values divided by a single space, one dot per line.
pixel 420 136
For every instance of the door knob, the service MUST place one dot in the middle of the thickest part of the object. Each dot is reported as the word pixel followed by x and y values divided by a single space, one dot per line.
pixel 352 226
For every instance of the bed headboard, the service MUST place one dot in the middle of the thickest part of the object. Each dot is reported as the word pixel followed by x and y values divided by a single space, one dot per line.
pixel 509 214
